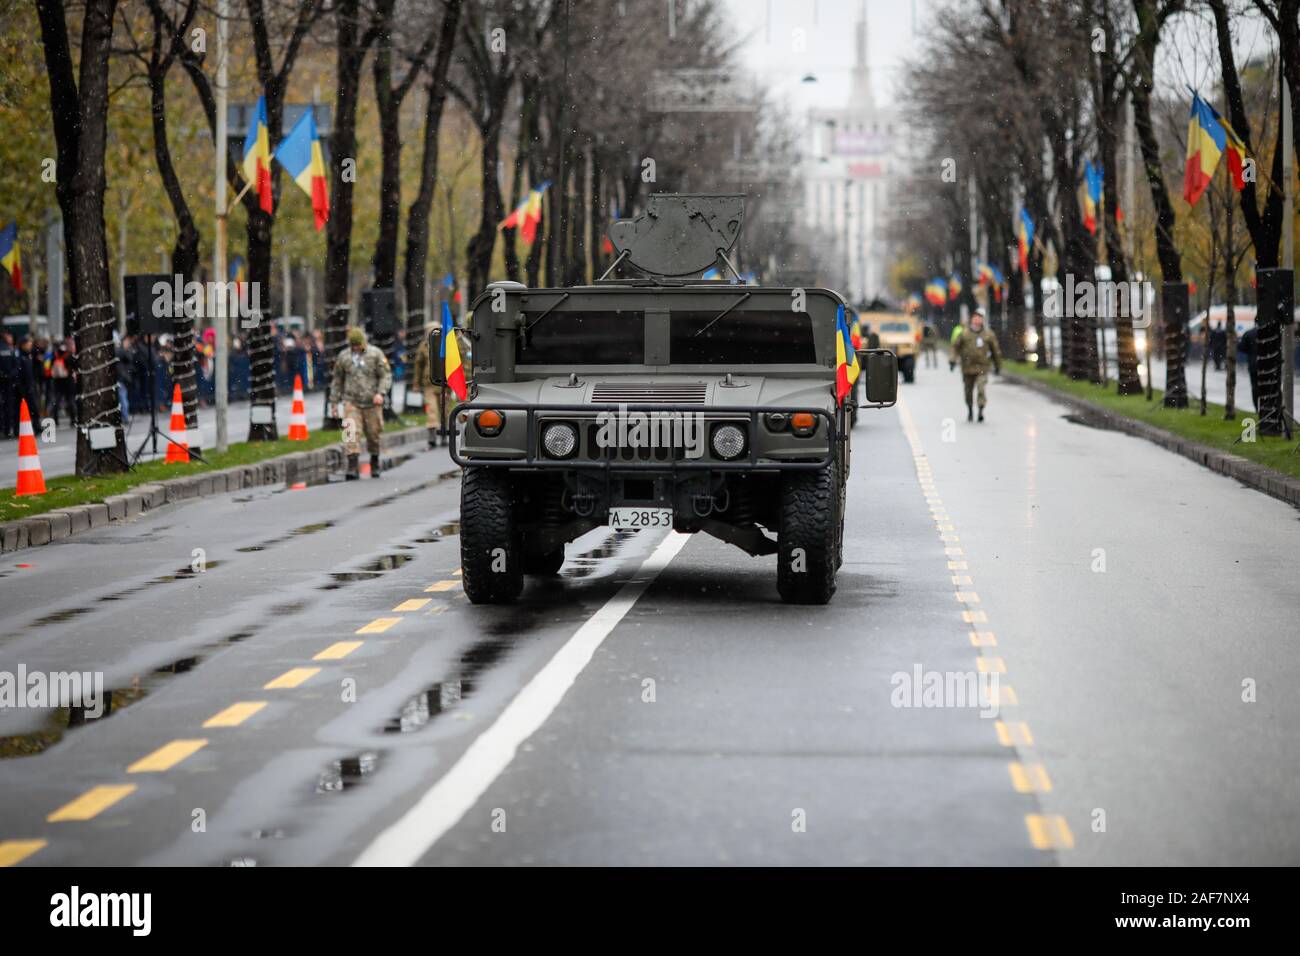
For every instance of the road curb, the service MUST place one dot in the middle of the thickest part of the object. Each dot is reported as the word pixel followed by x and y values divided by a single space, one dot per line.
pixel 288 469
pixel 1250 473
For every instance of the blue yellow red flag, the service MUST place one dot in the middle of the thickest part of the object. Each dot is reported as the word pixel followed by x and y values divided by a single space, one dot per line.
pixel 1206 142
pixel 257 155
pixel 846 359
pixel 449 351
pixel 301 156
pixel 11 255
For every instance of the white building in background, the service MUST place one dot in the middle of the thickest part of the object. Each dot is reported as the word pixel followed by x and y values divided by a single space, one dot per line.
pixel 855 164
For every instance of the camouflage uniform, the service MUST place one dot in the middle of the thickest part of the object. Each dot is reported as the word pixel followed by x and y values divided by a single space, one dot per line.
pixel 358 377
pixel 976 351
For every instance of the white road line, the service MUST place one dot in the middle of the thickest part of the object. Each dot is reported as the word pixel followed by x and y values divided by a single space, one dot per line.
pixel 443 804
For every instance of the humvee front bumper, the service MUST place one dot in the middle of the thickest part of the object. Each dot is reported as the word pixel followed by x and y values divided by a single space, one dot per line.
pixel 518 442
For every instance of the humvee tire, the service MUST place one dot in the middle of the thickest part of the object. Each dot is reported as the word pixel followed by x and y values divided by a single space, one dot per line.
pixel 491 553
pixel 544 565
pixel 810 507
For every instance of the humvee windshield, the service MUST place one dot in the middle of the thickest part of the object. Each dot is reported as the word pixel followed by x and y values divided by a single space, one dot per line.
pixel 695 337
pixel 741 338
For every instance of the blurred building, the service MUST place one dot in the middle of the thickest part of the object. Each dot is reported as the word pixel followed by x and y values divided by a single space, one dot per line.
pixel 856 160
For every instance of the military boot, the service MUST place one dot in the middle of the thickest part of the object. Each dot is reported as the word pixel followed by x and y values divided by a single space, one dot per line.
pixel 970 413
pixel 354 468
pixel 374 466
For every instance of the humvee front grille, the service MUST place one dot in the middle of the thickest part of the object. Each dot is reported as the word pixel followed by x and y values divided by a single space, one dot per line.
pixel 675 393
pixel 595 452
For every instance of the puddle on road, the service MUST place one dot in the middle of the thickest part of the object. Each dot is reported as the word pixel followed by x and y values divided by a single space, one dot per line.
pixel 446 695
pixel 67 614
pixel 372 569
pixel 587 563
pixel 348 772
pixel 295 533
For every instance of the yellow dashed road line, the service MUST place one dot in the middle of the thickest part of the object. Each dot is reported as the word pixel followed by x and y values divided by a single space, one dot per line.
pixel 91 803
pixel 235 714
pixel 991 665
pixel 1048 832
pixel 292 678
pixel 338 650
pixel 1029 777
pixel 414 604
pixel 438 586
pixel 167 756
pixel 983 639
pixel 1014 733
pixel 15 851
pixel 379 625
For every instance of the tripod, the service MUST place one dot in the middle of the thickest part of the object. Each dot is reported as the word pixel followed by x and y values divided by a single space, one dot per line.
pixel 154 430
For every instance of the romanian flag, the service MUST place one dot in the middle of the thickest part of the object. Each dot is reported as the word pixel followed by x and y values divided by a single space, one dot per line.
pixel 913 302
pixel 1206 141
pixel 527 216
pixel 855 333
pixel 936 291
pixel 846 359
pixel 449 352
pixel 300 154
pixel 257 155
pixel 1091 195
pixel 985 273
pixel 238 271
pixel 1025 239
pixel 10 257
pixel 954 287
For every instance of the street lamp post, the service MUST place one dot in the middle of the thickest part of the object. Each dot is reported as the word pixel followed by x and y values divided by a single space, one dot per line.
pixel 221 321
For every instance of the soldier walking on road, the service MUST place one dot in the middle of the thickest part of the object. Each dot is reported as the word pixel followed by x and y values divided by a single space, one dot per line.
pixel 360 381
pixel 976 350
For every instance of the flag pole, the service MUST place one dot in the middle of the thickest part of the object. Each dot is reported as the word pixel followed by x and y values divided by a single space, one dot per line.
pixel 221 356
pixel 1288 251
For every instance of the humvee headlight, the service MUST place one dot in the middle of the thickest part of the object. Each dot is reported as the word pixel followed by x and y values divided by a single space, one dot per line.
pixel 560 439
pixel 777 421
pixel 489 423
pixel 803 424
pixel 728 441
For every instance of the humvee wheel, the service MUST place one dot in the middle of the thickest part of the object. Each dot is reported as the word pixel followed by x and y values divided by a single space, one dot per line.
pixel 546 564
pixel 491 554
pixel 808 539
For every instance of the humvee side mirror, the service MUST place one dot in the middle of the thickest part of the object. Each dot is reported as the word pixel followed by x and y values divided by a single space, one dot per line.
pixel 437 368
pixel 880 366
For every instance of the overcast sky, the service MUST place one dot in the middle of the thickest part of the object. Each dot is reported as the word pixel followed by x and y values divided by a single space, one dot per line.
pixel 828 27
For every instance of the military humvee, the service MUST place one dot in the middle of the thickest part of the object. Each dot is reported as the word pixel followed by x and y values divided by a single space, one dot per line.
pixel 660 401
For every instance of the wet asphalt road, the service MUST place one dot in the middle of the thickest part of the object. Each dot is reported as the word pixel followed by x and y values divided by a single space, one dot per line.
pixel 656 703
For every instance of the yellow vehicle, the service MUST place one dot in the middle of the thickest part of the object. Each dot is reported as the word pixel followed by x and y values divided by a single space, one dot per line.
pixel 899 333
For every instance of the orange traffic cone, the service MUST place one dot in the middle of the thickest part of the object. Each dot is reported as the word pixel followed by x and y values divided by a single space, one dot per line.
pixel 31 480
pixel 298 415
pixel 178 449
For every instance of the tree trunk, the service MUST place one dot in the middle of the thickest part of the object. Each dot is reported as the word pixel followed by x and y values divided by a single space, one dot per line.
pixel 185 253
pixel 80 113
pixel 351 52
pixel 1171 263
pixel 417 217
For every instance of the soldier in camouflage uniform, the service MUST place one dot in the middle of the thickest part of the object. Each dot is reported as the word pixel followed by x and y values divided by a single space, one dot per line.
pixel 976 349
pixel 360 381
pixel 435 399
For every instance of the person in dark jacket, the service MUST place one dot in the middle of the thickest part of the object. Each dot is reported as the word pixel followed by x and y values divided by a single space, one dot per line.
pixel 1218 346
pixel 28 379
pixel 9 375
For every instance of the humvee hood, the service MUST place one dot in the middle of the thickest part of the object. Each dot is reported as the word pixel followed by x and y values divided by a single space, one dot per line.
pixel 707 391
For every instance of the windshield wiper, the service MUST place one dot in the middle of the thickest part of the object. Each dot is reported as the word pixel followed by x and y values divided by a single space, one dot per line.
pixel 721 314
pixel 529 327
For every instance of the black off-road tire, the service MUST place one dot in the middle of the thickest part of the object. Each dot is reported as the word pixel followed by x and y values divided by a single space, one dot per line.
pixel 491 553
pixel 545 565
pixel 810 510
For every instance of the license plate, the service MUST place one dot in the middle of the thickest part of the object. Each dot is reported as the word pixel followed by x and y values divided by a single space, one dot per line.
pixel 641 517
